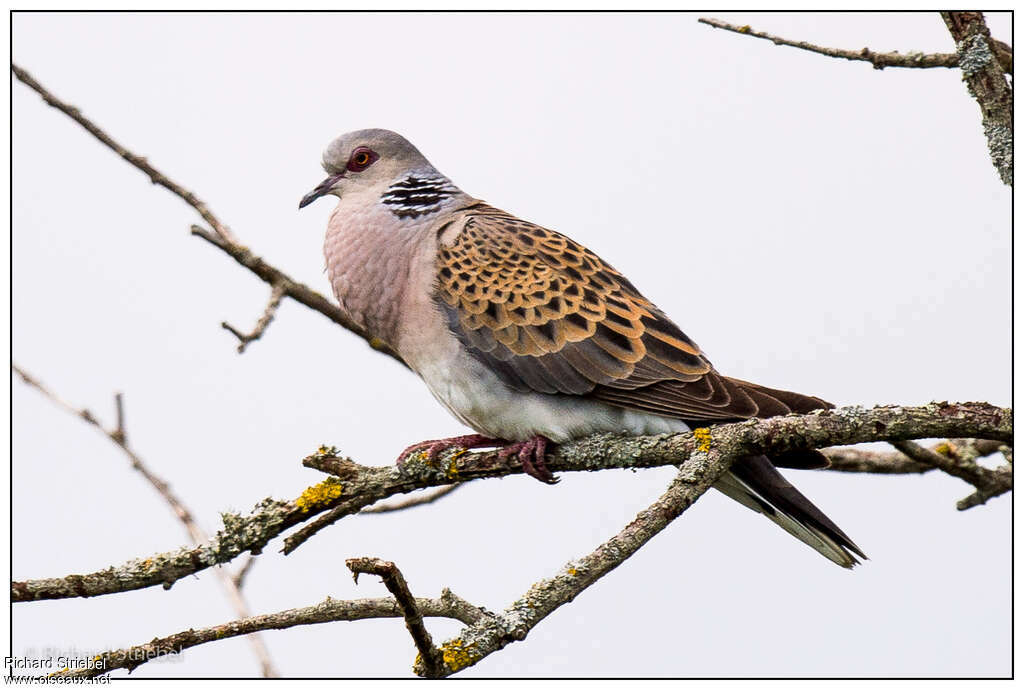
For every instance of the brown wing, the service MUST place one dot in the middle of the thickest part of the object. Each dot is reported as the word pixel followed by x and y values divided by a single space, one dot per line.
pixel 548 315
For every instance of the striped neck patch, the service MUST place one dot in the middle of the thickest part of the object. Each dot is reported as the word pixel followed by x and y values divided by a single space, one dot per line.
pixel 418 195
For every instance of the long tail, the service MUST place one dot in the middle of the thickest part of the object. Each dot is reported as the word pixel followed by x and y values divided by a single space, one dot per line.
pixel 754 482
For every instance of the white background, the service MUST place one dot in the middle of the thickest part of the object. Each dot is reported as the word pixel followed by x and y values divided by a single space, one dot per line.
pixel 814 224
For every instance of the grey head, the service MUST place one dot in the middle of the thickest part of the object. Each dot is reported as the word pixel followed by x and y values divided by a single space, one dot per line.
pixel 383 166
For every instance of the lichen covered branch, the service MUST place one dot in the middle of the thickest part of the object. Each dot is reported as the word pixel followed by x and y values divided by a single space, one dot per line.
pixel 328 611
pixel 977 52
pixel 396 584
pixel 358 486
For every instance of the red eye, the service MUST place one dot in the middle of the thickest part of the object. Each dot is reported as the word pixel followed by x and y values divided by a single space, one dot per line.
pixel 361 159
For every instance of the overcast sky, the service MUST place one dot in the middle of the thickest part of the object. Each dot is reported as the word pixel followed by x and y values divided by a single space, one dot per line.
pixel 813 224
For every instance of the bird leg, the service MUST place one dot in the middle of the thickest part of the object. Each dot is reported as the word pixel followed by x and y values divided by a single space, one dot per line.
pixel 436 446
pixel 530 452
pixel 531 455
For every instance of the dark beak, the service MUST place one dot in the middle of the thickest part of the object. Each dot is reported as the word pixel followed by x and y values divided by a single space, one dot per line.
pixel 321 189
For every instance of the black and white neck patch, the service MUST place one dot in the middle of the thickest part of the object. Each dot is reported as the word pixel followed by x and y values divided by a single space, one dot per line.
pixel 418 195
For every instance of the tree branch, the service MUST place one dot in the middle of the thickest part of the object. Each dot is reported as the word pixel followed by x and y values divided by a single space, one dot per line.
pixel 327 611
pixel 429 655
pixel 985 81
pixel 232 585
pixel 222 237
pixel 357 486
pixel 877 60
pixel 155 176
pixel 276 293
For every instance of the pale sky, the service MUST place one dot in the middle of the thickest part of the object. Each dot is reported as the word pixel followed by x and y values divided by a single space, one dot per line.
pixel 813 224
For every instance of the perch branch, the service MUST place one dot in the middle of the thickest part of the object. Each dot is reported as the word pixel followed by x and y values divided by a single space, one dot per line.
pixel 978 61
pixel 358 486
pixel 119 435
pixel 430 656
pixel 877 60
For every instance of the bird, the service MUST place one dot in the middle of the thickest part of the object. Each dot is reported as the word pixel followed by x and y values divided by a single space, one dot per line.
pixel 528 337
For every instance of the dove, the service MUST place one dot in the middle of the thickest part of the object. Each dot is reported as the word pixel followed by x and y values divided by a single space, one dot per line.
pixel 529 338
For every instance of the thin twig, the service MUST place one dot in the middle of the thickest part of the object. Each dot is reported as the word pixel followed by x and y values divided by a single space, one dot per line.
pixel 119 436
pixel 243 570
pixel 155 176
pixel 277 292
pixel 877 60
pixel 978 59
pixel 430 656
pixel 412 501
pixel 327 611
pixel 359 485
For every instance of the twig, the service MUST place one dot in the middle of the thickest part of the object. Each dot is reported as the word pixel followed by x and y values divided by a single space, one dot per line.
pixel 327 611
pixel 296 290
pixel 276 293
pixel 119 436
pixel 243 570
pixel 977 54
pixel 359 485
pixel 222 237
pixel 301 536
pixel 155 176
pixel 412 501
pixel 877 60
pixel 430 656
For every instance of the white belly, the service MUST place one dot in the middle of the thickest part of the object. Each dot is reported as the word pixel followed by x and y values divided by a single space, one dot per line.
pixel 479 399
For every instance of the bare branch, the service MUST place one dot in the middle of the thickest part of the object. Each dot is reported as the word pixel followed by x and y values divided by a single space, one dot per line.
pixel 327 611
pixel 297 291
pixel 412 501
pixel 119 436
pixel 222 237
pixel 983 75
pixel 243 570
pixel 155 176
pixel 358 486
pixel 276 293
pixel 877 60
pixel 429 656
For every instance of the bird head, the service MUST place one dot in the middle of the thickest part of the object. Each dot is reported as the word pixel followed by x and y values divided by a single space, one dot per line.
pixel 367 160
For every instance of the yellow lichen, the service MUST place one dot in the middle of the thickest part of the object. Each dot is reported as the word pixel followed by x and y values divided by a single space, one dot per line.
pixel 745 29
pixel 318 494
pixel 572 571
pixel 703 436
pixel 944 449
pixel 457 655
pixel 326 451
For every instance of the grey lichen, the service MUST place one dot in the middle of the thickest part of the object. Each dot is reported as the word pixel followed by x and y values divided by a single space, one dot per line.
pixel 1000 148
pixel 975 55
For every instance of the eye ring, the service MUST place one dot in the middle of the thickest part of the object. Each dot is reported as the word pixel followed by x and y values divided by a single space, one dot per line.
pixel 361 159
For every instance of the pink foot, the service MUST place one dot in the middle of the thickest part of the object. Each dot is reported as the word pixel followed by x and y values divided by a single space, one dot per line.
pixel 442 444
pixel 531 455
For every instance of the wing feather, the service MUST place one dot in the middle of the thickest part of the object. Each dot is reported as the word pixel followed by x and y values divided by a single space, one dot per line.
pixel 548 315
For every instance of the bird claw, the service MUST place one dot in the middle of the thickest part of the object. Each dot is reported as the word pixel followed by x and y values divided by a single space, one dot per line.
pixel 531 456
pixel 437 446
pixel 530 453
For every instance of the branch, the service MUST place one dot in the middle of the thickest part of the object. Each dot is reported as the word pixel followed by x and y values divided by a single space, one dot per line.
pixel 877 60
pixel 155 176
pixel 232 585
pixel 327 611
pixel 222 238
pixel 357 486
pixel 412 502
pixel 983 75
pixel 429 656
pixel 296 290
pixel 276 293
